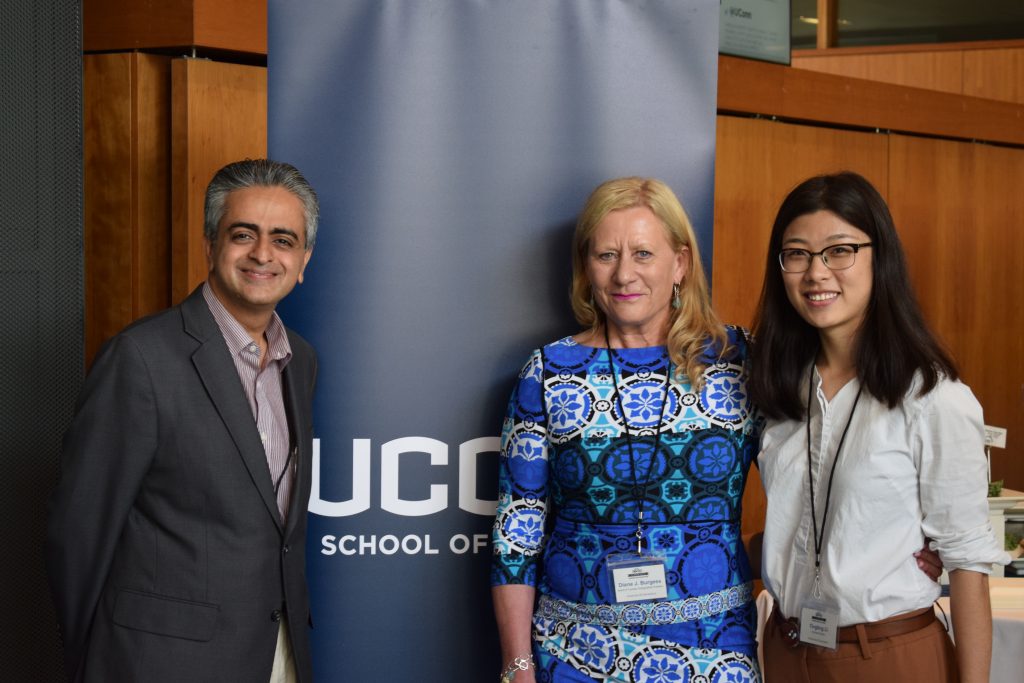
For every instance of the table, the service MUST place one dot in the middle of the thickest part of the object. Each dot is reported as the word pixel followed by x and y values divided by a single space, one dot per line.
pixel 1008 505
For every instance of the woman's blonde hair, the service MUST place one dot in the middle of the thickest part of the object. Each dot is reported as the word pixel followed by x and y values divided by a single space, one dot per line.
pixel 694 324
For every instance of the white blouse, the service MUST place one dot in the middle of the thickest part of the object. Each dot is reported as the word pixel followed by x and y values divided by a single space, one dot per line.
pixel 906 473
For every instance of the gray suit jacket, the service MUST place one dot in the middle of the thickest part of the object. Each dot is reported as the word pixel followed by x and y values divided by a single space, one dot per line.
pixel 167 557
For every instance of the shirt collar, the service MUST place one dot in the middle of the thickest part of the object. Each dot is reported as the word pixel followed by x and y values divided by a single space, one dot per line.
pixel 238 340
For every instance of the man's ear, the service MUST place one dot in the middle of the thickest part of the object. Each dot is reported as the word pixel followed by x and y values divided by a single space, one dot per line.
pixel 305 262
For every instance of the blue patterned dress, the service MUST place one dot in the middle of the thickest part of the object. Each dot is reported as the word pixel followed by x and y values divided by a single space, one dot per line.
pixel 567 498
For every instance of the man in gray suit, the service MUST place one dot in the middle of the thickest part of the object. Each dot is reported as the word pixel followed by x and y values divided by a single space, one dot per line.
pixel 176 539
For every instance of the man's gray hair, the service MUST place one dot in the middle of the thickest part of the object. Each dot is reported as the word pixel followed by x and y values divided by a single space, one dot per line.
pixel 258 173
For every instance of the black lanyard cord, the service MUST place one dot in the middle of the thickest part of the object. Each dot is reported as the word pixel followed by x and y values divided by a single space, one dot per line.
pixel 637 490
pixel 819 539
pixel 287 462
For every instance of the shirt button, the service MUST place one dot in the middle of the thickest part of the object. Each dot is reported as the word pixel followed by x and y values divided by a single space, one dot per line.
pixel 275 616
pixel 285 550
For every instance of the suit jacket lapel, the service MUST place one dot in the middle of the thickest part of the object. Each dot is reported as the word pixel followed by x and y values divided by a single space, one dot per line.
pixel 217 372
pixel 297 431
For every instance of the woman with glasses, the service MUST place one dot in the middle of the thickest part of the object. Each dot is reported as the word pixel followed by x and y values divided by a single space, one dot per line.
pixel 872 445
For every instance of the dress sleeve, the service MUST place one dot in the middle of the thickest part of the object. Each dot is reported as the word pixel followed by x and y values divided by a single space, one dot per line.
pixel 949 436
pixel 518 535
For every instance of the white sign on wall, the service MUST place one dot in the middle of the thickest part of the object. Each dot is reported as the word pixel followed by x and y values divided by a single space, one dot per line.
pixel 758 29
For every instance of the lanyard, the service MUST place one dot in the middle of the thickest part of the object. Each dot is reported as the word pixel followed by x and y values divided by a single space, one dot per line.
pixel 818 539
pixel 284 469
pixel 637 490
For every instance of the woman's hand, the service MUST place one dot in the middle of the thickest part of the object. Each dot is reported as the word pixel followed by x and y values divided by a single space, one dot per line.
pixel 929 561
pixel 513 609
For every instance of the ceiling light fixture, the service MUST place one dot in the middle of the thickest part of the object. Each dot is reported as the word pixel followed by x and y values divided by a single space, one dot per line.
pixel 813 21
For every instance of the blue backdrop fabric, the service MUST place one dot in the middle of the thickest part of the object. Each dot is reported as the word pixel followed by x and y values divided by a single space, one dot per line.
pixel 452 143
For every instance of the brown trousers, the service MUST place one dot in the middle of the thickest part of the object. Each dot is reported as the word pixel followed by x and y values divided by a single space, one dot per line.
pixel 926 656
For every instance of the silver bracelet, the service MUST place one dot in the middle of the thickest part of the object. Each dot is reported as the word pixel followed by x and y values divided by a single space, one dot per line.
pixel 517 664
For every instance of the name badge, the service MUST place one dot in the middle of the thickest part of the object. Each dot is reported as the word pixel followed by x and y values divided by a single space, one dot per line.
pixel 819 624
pixel 637 577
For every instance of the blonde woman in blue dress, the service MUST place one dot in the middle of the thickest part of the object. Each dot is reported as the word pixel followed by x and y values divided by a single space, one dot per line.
pixel 625 451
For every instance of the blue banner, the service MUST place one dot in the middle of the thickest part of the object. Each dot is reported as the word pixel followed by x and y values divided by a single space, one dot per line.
pixel 452 143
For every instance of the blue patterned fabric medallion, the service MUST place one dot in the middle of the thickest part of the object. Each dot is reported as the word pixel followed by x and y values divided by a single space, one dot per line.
pixel 568 498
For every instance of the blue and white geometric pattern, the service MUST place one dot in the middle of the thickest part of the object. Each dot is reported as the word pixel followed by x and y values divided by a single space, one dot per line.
pixel 640 613
pixel 570 490
pixel 619 656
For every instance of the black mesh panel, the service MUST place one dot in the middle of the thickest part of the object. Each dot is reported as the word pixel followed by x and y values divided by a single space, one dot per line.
pixel 40 307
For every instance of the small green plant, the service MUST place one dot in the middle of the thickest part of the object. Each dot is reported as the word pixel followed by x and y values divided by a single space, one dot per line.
pixel 995 488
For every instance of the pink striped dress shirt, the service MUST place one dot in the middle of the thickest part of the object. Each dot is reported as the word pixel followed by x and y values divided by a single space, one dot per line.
pixel 263 390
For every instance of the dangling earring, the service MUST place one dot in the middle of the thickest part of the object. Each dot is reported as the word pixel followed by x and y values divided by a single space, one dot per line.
pixel 676 303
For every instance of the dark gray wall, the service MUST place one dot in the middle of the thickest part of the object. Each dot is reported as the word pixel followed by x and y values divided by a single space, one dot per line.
pixel 40 305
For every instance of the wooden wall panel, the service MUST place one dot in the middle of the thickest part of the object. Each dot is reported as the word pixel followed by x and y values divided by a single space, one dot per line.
pixel 959 212
pixel 152 253
pixel 802 95
pixel 757 162
pixel 995 74
pixel 219 115
pixel 932 70
pixel 232 24
pixel 121 25
pixel 235 25
pixel 107 149
pixel 992 70
pixel 127 198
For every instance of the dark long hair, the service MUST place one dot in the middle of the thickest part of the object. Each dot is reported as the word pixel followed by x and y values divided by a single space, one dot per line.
pixel 893 343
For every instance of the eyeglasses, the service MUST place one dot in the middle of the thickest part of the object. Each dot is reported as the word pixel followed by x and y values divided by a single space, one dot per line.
pixel 836 257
